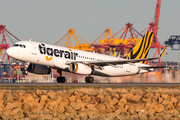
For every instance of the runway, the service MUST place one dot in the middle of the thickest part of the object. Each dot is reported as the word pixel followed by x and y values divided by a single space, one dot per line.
pixel 118 85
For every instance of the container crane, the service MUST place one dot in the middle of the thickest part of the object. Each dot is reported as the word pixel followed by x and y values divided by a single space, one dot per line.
pixel 173 40
pixel 4 45
pixel 155 42
pixel 7 68
pixel 128 44
pixel 71 32
pixel 104 42
pixel 121 44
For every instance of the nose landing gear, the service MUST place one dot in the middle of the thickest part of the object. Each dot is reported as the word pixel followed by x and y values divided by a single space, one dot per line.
pixel 60 79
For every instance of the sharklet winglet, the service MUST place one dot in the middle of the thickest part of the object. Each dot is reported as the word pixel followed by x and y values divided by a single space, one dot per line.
pixel 163 51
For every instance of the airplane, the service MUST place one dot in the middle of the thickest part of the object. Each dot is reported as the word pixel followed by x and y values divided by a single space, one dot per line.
pixel 41 57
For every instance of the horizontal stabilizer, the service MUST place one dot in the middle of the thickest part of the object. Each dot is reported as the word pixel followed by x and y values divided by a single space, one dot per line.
pixel 152 67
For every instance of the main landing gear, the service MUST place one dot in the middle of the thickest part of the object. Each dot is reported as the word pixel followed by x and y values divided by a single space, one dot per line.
pixel 89 79
pixel 60 79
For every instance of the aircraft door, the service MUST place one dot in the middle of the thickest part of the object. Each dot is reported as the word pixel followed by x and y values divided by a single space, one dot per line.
pixel 34 49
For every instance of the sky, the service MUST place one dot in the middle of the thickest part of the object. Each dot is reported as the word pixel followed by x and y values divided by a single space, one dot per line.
pixel 48 21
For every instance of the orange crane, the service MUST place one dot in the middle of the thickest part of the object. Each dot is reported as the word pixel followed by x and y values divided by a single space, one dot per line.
pixel 71 32
pixel 112 45
pixel 105 39
pixel 104 42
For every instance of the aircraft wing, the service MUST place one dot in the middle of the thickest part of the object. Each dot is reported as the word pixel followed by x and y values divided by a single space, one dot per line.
pixel 118 62
pixel 113 62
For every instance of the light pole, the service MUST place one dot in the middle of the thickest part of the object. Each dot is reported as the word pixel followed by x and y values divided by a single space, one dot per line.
pixel 178 67
pixel 166 61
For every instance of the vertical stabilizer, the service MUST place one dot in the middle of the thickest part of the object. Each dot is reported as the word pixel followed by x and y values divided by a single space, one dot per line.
pixel 141 50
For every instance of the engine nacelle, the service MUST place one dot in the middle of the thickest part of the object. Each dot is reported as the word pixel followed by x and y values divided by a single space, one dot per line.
pixel 80 68
pixel 38 69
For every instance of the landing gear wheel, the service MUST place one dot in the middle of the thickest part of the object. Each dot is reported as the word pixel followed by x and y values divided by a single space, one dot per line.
pixel 61 80
pixel 89 79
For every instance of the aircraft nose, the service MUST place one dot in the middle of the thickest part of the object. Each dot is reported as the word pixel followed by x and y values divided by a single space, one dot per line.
pixel 9 52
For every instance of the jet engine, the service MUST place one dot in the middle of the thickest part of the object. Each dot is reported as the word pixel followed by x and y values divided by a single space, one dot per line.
pixel 80 68
pixel 38 69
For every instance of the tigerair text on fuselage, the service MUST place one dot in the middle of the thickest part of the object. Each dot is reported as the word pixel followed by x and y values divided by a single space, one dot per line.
pixel 57 53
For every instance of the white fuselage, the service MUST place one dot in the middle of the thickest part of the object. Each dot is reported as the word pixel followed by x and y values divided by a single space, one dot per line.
pixel 33 53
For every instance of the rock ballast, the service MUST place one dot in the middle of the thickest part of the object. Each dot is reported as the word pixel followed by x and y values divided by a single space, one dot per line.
pixel 86 103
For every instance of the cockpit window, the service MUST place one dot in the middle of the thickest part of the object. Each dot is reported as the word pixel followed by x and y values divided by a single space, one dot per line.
pixel 16 45
pixel 19 45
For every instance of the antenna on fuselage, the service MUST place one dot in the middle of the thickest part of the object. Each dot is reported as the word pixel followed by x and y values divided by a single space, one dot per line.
pixel 29 39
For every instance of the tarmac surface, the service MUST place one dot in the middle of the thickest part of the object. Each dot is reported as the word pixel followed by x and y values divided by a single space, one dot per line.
pixel 119 85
